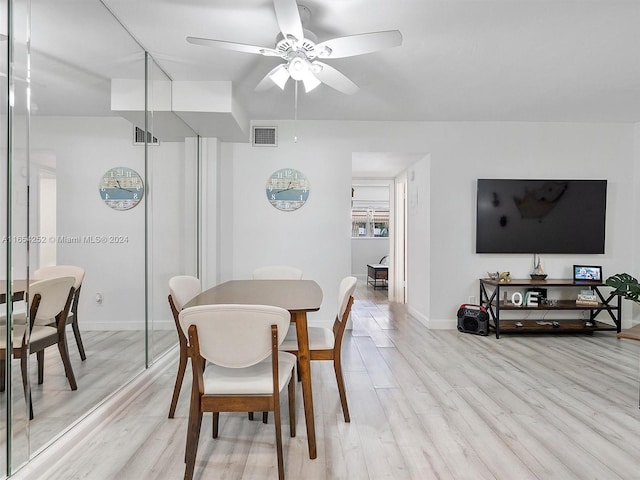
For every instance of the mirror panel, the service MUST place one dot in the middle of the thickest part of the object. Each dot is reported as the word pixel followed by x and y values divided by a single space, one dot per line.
pixel 171 203
pixel 82 155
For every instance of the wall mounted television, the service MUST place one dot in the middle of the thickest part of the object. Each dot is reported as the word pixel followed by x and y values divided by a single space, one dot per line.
pixel 541 216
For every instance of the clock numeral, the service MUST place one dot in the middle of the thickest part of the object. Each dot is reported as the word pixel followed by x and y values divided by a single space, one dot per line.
pixel 273 196
pixel 106 196
pixel 135 196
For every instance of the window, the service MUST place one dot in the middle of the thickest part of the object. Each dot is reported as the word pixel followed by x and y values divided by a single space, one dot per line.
pixel 369 223
pixel 370 211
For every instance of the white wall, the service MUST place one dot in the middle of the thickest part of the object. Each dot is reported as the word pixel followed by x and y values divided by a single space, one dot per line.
pixel 367 250
pixel 443 266
pixel 85 148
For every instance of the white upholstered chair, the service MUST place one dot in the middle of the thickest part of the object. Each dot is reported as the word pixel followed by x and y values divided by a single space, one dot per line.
pixel 47 299
pixel 237 367
pixel 277 272
pixel 325 343
pixel 182 288
pixel 78 274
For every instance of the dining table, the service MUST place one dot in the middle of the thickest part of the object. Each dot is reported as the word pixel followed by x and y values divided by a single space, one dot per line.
pixel 18 288
pixel 296 296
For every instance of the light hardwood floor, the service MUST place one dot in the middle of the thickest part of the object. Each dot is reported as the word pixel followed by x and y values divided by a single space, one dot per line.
pixel 425 404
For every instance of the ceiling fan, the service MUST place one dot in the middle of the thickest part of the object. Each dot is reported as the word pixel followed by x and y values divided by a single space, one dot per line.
pixel 300 49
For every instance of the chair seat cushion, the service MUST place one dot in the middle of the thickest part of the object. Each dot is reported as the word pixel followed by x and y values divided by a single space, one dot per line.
pixel 254 380
pixel 319 339
pixel 38 333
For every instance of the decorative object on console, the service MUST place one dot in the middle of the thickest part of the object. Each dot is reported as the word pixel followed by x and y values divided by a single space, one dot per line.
pixel 505 277
pixel 587 297
pixel 587 273
pixel 493 275
pixel 538 272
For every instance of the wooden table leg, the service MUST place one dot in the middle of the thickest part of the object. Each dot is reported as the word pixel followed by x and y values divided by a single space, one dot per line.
pixel 305 375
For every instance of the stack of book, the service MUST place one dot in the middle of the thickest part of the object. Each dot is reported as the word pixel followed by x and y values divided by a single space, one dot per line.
pixel 587 297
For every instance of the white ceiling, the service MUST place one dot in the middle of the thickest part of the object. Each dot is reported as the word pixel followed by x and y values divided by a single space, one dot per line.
pixel 475 60
pixel 530 60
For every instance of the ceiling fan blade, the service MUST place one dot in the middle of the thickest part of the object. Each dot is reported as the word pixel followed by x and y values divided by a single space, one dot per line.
pixel 359 44
pixel 288 18
pixel 277 76
pixel 238 47
pixel 332 77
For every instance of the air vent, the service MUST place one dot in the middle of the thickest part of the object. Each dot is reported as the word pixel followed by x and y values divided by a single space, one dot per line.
pixel 138 137
pixel 265 136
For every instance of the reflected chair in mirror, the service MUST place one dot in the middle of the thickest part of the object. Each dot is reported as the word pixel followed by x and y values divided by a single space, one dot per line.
pixel 68 271
pixel 182 288
pixel 277 272
pixel 47 299
pixel 237 367
pixel 325 343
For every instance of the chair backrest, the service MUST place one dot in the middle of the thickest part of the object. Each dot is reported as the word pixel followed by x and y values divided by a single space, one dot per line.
pixel 61 271
pixel 345 292
pixel 277 272
pixel 183 288
pixel 54 298
pixel 235 336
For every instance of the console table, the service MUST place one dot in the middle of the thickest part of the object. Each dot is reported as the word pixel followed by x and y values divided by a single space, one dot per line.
pixel 493 301
pixel 377 275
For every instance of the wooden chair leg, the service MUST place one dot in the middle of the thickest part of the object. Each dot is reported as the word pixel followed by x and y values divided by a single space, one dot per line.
pixel 182 366
pixel 277 421
pixel 250 415
pixel 40 358
pixel 25 382
pixel 76 333
pixel 2 379
pixel 292 405
pixel 68 369
pixel 337 367
pixel 193 436
pixel 214 424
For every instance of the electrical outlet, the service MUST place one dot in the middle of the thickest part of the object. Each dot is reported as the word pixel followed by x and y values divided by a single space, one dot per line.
pixel 472 299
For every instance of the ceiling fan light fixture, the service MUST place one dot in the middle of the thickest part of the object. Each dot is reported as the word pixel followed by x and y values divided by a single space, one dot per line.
pixel 324 52
pixel 310 82
pixel 298 67
pixel 280 77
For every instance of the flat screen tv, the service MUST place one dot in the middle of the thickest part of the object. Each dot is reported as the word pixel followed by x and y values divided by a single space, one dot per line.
pixel 541 216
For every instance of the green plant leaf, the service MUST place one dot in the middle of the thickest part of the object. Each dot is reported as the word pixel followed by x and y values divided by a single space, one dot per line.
pixel 625 286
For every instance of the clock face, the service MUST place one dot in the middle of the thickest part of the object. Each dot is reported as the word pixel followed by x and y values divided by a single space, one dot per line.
pixel 121 188
pixel 287 189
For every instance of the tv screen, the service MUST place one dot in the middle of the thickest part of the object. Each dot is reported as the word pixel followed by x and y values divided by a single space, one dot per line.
pixel 541 216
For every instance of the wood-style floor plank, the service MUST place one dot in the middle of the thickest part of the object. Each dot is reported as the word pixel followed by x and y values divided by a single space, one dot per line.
pixel 425 404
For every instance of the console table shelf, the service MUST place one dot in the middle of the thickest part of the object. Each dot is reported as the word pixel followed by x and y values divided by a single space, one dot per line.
pixel 608 305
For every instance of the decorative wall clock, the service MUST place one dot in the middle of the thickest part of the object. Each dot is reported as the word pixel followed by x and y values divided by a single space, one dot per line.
pixel 121 188
pixel 287 189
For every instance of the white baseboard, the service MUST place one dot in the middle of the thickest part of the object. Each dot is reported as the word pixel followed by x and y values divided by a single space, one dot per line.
pixel 433 324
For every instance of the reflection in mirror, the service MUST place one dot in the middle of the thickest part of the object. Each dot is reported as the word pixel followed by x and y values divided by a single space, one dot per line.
pixel 5 270
pixel 171 173
pixel 81 168
pixel 78 148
